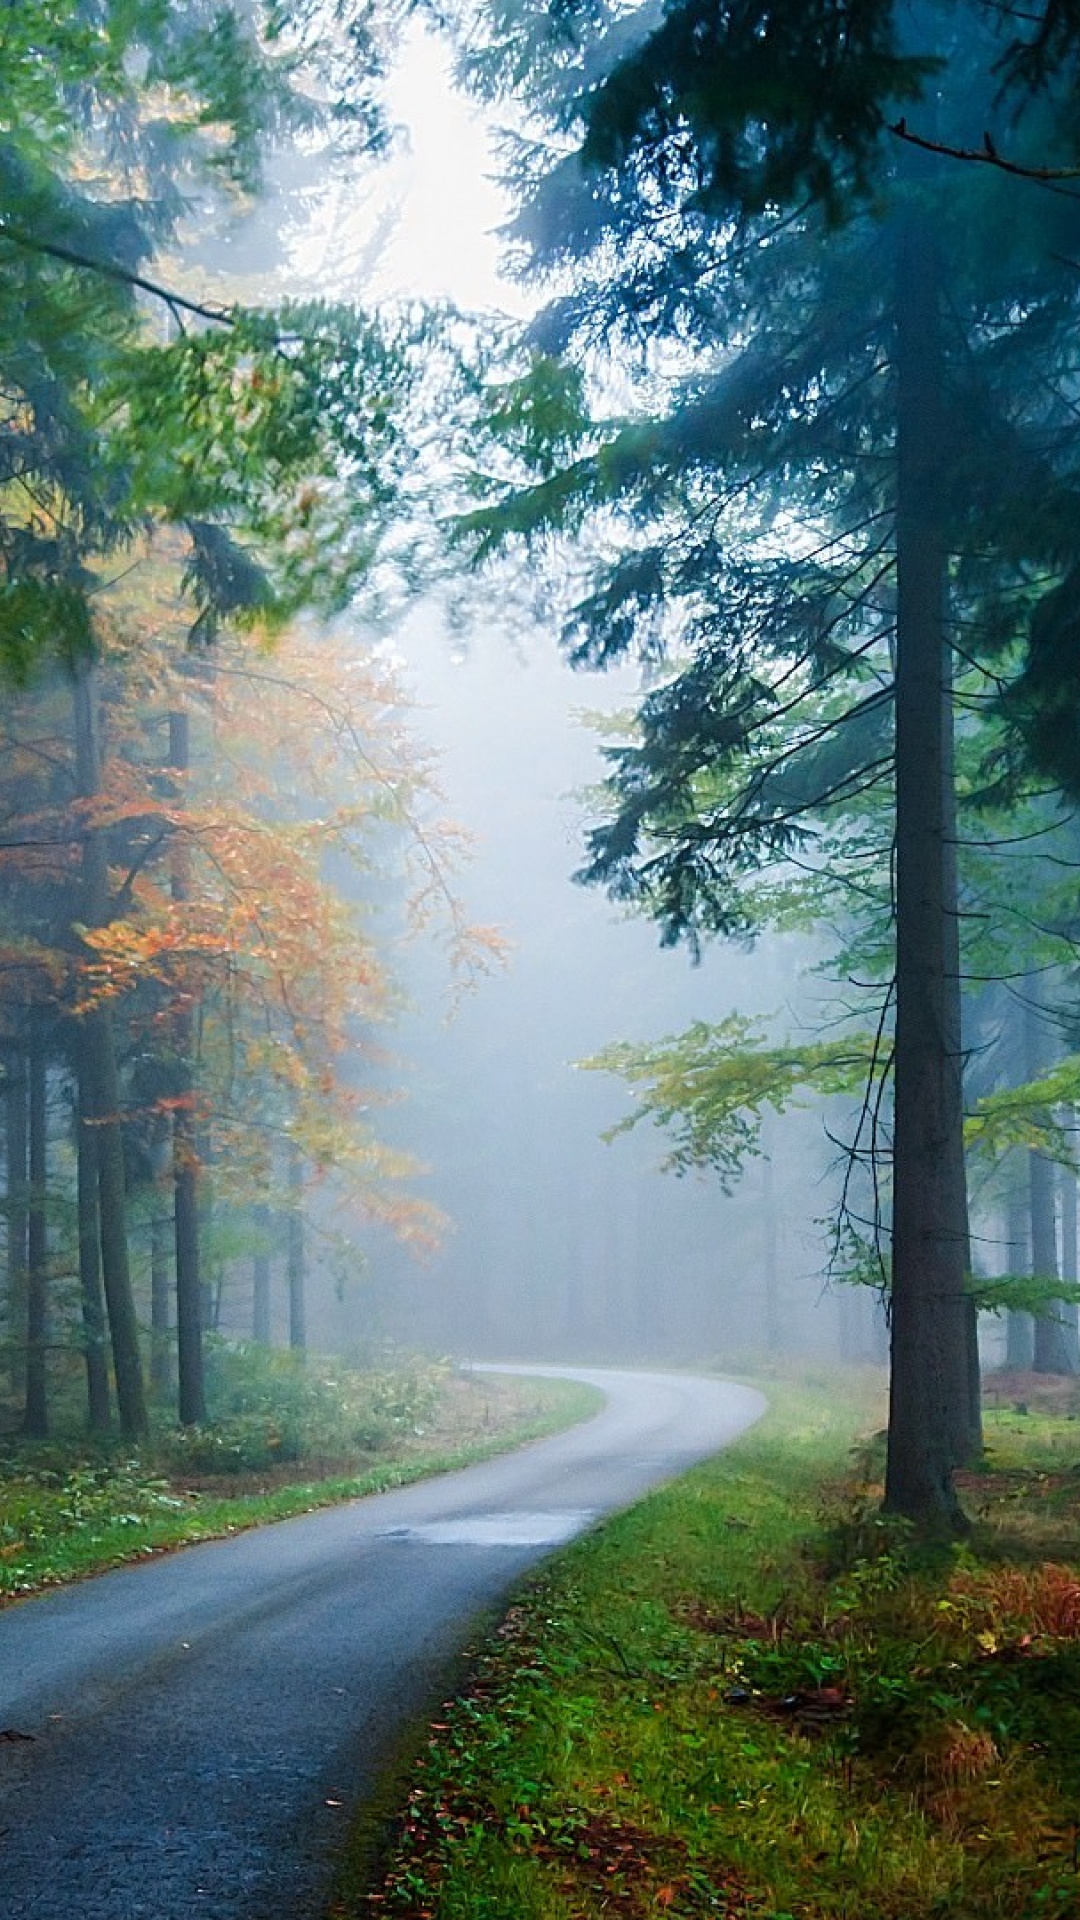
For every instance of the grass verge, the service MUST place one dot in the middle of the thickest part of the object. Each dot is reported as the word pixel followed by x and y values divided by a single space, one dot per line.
pixel 62 1518
pixel 750 1697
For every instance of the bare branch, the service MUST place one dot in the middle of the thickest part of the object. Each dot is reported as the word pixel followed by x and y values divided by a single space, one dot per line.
pixel 987 155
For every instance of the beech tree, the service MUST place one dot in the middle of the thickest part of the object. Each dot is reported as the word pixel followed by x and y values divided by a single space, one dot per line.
pixel 854 466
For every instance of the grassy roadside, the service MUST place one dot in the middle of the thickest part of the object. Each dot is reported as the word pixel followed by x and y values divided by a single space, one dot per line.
pixel 62 1519
pixel 749 1697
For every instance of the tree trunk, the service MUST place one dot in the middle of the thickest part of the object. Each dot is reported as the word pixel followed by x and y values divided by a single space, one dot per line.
pixel 930 1337
pixel 90 1293
pixel 1020 1327
pixel 15 1153
pixel 189 1300
pixel 211 1268
pixel 1069 1263
pixel 967 1409
pixel 296 1253
pixel 36 1405
pixel 100 1094
pixel 161 1367
pixel 189 1322
pixel 1052 1350
pixel 99 1079
pixel 261 1318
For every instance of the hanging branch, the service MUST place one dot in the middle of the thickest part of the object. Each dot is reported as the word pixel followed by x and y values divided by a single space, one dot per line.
pixel 987 155
pixel 109 270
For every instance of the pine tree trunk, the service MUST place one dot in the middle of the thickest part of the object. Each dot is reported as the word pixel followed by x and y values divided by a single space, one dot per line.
pixel 90 1293
pixel 967 1414
pixel 15 1155
pixel 99 1081
pixel 930 1338
pixel 36 1404
pixel 296 1254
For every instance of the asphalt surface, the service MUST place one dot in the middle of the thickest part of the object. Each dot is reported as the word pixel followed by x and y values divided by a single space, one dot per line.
pixel 202 1726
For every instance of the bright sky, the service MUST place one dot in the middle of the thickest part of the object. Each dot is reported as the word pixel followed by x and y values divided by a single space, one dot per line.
pixel 433 205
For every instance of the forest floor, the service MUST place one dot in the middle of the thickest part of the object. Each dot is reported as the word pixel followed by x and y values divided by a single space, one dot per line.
pixel 69 1508
pixel 750 1696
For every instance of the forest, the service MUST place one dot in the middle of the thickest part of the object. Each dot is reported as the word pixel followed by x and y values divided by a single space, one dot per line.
pixel 791 427
pixel 777 436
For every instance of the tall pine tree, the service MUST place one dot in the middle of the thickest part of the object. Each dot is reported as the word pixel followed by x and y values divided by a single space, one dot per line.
pixel 854 463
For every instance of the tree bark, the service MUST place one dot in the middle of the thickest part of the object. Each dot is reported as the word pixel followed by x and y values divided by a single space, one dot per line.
pixel 100 1080
pixel 36 1404
pixel 930 1337
pixel 967 1409
pixel 91 1297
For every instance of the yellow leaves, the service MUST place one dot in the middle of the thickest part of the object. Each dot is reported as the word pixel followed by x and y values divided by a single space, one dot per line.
pixel 127 956
pixel 230 931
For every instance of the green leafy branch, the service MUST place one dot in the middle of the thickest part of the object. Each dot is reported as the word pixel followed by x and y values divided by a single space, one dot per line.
pixel 709 1086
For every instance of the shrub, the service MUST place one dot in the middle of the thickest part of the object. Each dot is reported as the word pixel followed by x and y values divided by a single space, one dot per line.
pixel 267 1406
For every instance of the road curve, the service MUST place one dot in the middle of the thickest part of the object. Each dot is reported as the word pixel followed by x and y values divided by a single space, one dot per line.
pixel 201 1726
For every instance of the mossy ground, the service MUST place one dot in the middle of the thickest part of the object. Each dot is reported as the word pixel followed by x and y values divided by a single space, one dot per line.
pixel 750 1696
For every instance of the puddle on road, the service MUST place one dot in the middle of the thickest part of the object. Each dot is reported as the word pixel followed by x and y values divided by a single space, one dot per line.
pixel 497 1530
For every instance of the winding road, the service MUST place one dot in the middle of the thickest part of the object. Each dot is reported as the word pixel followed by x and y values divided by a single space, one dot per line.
pixel 200 1727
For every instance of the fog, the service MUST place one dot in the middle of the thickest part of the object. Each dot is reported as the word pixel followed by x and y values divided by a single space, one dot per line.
pixel 561 1243
pixel 558 1243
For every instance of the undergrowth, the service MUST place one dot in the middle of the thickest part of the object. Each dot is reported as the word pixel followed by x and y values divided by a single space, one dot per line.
pixel 750 1696
pixel 284 1442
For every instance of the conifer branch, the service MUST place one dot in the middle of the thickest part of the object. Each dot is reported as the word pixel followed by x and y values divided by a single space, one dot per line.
pixel 110 270
pixel 987 155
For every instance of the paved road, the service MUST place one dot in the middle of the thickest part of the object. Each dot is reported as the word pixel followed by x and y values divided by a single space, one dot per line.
pixel 202 1724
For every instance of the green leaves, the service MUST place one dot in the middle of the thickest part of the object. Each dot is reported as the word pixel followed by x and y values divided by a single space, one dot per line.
pixel 710 1085
pixel 285 431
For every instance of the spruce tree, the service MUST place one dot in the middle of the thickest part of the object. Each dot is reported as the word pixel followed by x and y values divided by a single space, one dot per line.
pixel 854 465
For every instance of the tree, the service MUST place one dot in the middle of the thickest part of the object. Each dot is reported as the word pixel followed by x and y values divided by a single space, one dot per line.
pixel 273 445
pixel 858 455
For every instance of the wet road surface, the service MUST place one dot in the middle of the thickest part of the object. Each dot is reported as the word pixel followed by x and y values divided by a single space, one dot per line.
pixel 201 1726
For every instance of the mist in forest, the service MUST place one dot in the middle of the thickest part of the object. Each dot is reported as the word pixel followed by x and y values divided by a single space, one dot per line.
pixel 560 1244
pixel 555 1243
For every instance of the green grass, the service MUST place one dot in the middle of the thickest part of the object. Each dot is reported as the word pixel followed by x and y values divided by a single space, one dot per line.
pixel 749 1696
pixel 66 1513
